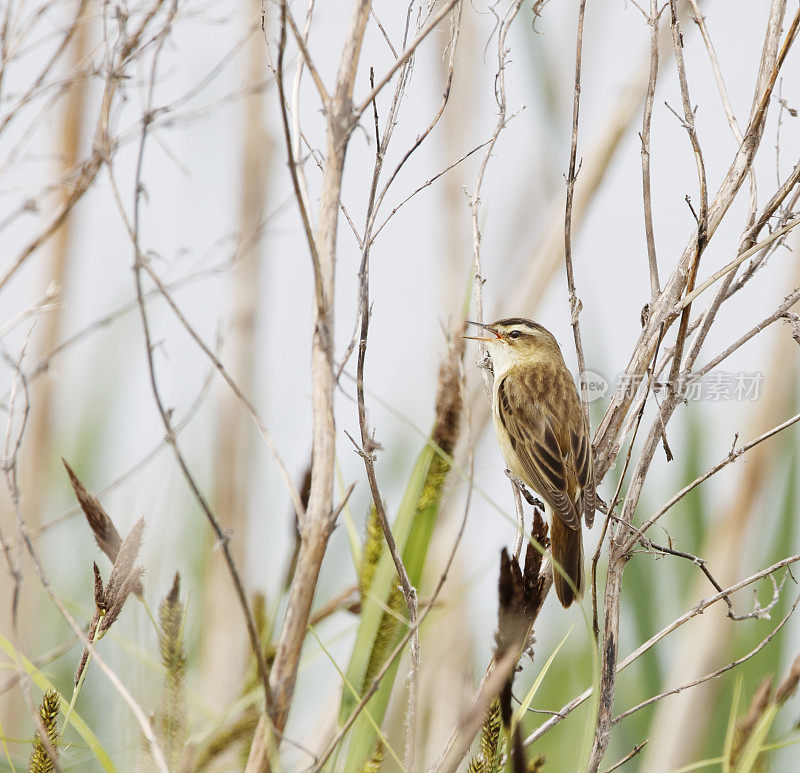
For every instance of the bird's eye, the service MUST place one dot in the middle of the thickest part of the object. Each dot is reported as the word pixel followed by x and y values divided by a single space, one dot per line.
pixel 514 334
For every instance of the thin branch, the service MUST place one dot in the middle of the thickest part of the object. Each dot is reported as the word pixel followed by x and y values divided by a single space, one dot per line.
pixel 777 234
pixel 653 640
pixel 732 456
pixel 405 55
pixel 652 21
pixel 234 387
pixel 301 44
pixel 779 313
pixel 305 215
pixel 702 219
pixel 714 674
pixel 475 199
pixel 628 757
pixel 700 21
pixel 575 304
pixel 139 265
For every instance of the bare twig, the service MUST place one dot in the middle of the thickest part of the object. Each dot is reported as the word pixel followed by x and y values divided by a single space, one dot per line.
pixel 732 456
pixel 475 198
pixel 779 313
pixel 702 218
pixel 575 304
pixel 301 44
pixel 628 757
pixel 653 640
pixel 714 674
pixel 652 21
pixel 234 387
pixel 775 235
pixel 405 55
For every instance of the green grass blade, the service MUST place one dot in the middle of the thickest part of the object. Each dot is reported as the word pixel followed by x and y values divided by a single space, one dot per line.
pixel 751 751
pixel 44 684
pixel 357 698
pixel 377 633
pixel 710 762
pixel 384 578
pixel 5 750
pixel 731 729
pixel 771 747
pixel 523 707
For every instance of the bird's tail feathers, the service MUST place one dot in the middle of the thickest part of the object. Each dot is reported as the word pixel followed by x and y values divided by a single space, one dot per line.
pixel 567 550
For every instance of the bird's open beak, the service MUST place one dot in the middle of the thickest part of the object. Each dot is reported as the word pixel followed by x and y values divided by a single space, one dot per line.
pixel 495 336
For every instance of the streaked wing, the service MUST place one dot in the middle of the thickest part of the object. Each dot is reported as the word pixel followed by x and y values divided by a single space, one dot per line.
pixel 584 469
pixel 535 445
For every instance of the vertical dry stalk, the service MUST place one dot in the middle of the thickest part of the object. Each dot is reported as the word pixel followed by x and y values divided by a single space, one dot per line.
pixel 367 442
pixel 49 327
pixel 702 218
pixel 233 460
pixel 317 524
pixel 652 20
pixel 575 304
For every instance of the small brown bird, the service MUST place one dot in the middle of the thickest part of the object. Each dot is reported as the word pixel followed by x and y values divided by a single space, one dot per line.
pixel 543 437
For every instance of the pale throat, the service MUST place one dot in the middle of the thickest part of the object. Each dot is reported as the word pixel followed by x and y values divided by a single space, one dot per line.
pixel 503 359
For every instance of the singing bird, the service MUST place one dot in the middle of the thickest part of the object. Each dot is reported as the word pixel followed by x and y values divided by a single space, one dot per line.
pixel 543 436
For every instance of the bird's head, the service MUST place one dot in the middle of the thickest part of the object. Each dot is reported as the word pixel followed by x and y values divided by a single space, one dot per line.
pixel 517 341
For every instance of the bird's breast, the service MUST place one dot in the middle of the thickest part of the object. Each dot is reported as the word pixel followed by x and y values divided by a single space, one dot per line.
pixel 506 449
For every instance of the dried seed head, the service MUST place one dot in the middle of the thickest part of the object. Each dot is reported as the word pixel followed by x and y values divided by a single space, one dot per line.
pixel 512 623
pixel 99 591
pixel 125 579
pixel 745 727
pixel 105 533
pixel 788 686
pixel 449 398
